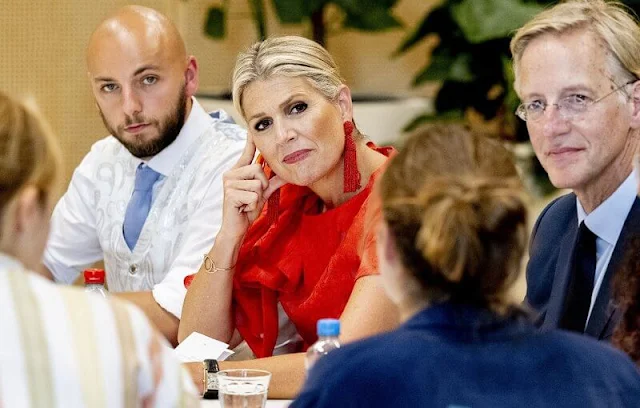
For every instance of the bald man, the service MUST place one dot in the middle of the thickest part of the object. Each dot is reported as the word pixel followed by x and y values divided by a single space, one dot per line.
pixel 147 200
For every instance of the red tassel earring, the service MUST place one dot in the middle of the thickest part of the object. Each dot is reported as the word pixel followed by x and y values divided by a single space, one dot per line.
pixel 273 203
pixel 351 173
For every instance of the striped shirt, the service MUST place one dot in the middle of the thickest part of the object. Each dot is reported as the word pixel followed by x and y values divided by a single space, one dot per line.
pixel 62 347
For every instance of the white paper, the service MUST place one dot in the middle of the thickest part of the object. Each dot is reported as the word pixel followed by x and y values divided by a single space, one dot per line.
pixel 198 347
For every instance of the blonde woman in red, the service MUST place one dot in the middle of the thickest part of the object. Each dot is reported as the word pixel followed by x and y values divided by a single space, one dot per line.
pixel 309 253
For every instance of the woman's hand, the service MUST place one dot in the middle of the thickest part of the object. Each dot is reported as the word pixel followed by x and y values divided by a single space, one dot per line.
pixel 246 190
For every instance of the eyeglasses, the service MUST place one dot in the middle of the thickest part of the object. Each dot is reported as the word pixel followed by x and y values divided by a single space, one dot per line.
pixel 568 107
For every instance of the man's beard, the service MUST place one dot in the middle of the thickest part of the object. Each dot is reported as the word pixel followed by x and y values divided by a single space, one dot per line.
pixel 167 130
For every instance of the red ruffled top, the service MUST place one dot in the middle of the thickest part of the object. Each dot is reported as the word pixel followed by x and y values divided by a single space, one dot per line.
pixel 307 260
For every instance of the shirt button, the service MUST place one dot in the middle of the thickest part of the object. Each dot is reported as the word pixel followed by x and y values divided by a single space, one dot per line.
pixel 133 268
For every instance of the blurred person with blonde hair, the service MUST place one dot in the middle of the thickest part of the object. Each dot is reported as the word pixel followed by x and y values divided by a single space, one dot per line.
pixel 450 243
pixel 147 199
pixel 59 346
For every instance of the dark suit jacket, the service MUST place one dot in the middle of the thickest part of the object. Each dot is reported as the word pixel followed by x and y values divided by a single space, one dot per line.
pixel 551 250
pixel 458 356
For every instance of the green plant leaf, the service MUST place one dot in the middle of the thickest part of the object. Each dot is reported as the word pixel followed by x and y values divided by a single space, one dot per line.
pixel 453 96
pixel 376 19
pixel 257 10
pixel 434 21
pixel 448 116
pixel 490 19
pixel 446 67
pixel 460 70
pixel 291 11
pixel 437 70
pixel 314 5
pixel 511 99
pixel 362 6
pixel 214 26
pixel 367 15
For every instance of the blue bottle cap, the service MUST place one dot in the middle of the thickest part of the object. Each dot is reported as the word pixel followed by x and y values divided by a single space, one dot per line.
pixel 328 327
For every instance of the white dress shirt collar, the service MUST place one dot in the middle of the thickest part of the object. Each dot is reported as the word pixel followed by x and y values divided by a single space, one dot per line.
pixel 197 121
pixel 607 220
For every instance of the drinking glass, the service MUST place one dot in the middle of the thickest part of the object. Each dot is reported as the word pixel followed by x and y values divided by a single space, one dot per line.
pixel 243 388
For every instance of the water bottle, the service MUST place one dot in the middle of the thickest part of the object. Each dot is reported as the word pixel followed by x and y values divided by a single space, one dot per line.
pixel 328 332
pixel 94 281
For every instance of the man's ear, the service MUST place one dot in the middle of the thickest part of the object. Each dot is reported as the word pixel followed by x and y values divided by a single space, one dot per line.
pixel 635 101
pixel 191 77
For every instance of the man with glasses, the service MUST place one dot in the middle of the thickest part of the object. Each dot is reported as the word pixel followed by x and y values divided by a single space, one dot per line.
pixel 576 71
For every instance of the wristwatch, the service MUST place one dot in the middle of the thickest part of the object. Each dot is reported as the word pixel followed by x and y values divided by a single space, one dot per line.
pixel 210 379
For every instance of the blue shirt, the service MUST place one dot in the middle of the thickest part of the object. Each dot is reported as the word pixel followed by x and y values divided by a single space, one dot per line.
pixel 606 222
pixel 459 356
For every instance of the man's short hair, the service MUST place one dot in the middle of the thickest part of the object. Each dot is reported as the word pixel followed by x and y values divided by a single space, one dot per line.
pixel 611 22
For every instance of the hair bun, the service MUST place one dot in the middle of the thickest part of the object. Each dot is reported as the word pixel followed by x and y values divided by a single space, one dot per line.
pixel 458 214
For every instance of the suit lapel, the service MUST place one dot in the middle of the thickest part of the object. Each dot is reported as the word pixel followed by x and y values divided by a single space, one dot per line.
pixel 600 325
pixel 561 278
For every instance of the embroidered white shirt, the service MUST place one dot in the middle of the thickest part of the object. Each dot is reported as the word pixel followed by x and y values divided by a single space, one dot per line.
pixel 183 221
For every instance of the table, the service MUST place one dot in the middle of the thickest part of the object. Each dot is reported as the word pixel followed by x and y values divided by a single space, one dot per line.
pixel 270 403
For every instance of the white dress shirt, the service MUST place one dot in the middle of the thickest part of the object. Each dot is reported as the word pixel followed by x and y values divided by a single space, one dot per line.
pixel 62 347
pixel 183 221
pixel 606 222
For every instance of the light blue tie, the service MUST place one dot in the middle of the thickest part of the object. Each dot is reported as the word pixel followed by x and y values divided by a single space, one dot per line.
pixel 139 205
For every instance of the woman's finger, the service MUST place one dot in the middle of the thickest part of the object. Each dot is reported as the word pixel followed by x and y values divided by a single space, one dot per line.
pixel 248 153
pixel 250 172
pixel 242 198
pixel 244 185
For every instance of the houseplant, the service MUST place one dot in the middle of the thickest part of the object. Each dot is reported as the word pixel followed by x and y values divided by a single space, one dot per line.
pixel 473 62
pixel 323 20
pixel 472 59
pixel 365 15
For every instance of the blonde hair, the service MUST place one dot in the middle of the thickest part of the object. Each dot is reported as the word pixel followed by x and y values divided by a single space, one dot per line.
pixel 454 204
pixel 28 152
pixel 611 22
pixel 289 56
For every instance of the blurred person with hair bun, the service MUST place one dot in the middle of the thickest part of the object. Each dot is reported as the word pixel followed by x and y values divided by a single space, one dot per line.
pixel 449 247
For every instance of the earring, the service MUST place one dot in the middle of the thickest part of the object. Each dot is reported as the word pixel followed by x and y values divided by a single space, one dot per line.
pixel 273 203
pixel 351 173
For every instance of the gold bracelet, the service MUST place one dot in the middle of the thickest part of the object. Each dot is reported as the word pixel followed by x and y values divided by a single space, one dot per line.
pixel 212 268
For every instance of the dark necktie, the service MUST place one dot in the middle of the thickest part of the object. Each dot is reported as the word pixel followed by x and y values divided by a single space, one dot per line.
pixel 139 205
pixel 578 299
